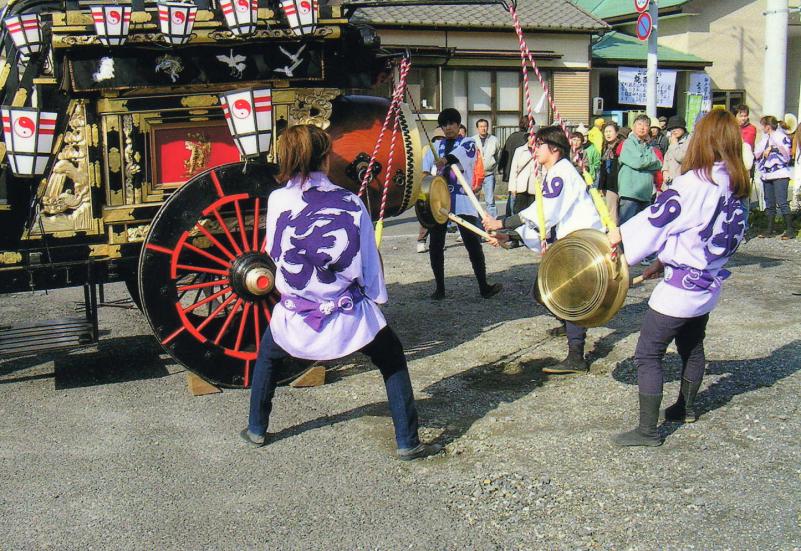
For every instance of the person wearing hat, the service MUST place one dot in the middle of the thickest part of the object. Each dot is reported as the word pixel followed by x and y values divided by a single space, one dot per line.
pixel 663 122
pixel 596 134
pixel 461 152
pixel 658 138
pixel 679 141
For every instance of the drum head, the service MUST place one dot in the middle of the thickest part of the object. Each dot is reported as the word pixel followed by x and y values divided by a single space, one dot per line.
pixel 439 197
pixel 579 282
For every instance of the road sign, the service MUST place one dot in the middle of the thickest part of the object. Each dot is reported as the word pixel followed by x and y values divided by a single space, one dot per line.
pixel 644 26
pixel 641 5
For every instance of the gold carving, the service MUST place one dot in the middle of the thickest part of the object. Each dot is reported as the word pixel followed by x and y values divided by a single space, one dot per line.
pixel 140 17
pixel 104 249
pixel 200 101
pixel 72 165
pixel 137 234
pixel 20 97
pixel 4 72
pixel 8 257
pixel 114 160
pixel 132 166
pixel 80 40
pixel 199 148
pixel 313 107
pixel 95 136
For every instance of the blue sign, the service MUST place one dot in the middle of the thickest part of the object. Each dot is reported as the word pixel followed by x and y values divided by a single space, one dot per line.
pixel 644 26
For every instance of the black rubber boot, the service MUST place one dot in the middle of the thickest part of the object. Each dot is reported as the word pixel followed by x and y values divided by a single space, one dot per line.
pixel 574 363
pixel 683 411
pixel 788 227
pixel 491 290
pixel 645 434
pixel 769 230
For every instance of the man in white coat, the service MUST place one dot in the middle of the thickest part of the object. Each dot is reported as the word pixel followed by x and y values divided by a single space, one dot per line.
pixel 490 149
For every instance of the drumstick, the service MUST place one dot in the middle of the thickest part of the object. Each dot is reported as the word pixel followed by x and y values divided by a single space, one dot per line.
pixel 464 223
pixel 469 191
pixel 637 280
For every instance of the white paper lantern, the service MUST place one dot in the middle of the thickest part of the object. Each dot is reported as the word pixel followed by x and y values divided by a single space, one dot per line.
pixel 112 23
pixel 249 114
pixel 28 135
pixel 301 15
pixel 240 15
pixel 176 20
pixel 26 32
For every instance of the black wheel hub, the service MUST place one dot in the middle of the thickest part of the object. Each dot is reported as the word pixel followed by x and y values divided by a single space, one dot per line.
pixel 253 276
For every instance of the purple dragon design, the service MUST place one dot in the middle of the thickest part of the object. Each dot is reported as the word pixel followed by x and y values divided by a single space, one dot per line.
pixel 725 230
pixel 325 213
pixel 665 209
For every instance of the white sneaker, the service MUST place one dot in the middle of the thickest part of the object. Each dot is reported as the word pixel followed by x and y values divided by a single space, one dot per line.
pixel 422 247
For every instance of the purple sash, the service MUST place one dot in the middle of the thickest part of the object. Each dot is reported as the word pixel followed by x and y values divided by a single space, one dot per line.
pixel 692 279
pixel 315 314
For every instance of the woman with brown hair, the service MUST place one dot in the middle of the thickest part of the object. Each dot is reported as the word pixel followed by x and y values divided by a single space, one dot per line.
pixel 607 179
pixel 329 274
pixel 693 227
pixel 773 163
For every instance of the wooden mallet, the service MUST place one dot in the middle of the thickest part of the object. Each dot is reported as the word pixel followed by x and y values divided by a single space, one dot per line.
pixel 465 224
pixel 469 191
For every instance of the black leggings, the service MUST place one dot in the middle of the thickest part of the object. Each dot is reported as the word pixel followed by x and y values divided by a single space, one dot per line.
pixel 472 242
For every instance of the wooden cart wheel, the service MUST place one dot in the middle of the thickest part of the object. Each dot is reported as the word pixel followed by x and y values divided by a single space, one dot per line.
pixel 205 284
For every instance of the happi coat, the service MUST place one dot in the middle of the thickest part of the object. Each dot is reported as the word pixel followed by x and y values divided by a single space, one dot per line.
pixel 694 227
pixel 567 206
pixel 464 153
pixel 328 270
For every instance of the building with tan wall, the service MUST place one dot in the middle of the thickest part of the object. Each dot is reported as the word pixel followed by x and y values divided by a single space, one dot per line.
pixel 468 57
pixel 728 33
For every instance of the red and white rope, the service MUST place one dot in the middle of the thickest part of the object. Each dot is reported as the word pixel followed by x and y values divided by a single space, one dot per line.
pixel 391 112
pixel 400 90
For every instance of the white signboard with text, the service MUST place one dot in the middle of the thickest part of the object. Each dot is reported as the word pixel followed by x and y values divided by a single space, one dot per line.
pixel 701 84
pixel 632 86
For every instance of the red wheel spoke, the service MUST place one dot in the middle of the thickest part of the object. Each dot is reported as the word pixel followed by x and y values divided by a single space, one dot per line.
pixel 242 327
pixel 214 240
pixel 242 232
pixel 212 283
pixel 256 325
pixel 208 255
pixel 158 248
pixel 217 310
pixel 266 312
pixel 226 231
pixel 169 338
pixel 228 320
pixel 247 373
pixel 181 294
pixel 208 299
pixel 256 226
pixel 189 268
pixel 216 182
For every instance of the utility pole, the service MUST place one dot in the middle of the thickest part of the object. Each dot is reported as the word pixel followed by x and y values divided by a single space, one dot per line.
pixel 774 80
pixel 650 92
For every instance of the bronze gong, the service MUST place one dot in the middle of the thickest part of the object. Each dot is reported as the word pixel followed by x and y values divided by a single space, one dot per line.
pixel 579 282
pixel 434 195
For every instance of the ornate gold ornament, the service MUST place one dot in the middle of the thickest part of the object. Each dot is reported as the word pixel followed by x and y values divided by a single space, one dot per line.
pixel 137 234
pixel 9 257
pixel 72 166
pixel 114 160
pixel 199 148
pixel 132 166
pixel 200 101
pixel 313 107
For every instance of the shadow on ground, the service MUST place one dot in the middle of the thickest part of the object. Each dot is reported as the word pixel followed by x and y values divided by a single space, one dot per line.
pixel 115 360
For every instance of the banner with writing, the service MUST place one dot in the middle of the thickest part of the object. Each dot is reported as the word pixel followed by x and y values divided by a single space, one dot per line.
pixel 700 83
pixel 632 86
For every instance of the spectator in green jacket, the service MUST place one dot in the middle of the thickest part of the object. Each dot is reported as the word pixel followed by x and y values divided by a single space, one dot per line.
pixel 638 164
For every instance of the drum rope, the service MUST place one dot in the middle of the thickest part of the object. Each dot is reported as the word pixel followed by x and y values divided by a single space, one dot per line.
pixel 394 106
pixel 397 98
pixel 598 201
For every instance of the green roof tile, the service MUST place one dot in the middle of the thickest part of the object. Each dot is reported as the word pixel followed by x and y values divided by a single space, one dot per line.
pixel 616 46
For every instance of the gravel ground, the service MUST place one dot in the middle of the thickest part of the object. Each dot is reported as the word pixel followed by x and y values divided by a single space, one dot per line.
pixel 104 448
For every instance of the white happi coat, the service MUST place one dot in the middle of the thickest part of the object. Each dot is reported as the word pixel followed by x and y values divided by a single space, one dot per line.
pixel 567 204
pixel 465 152
pixel 320 237
pixel 694 227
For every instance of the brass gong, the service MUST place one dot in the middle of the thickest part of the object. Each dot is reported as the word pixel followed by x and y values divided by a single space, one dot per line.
pixel 579 282
pixel 434 195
